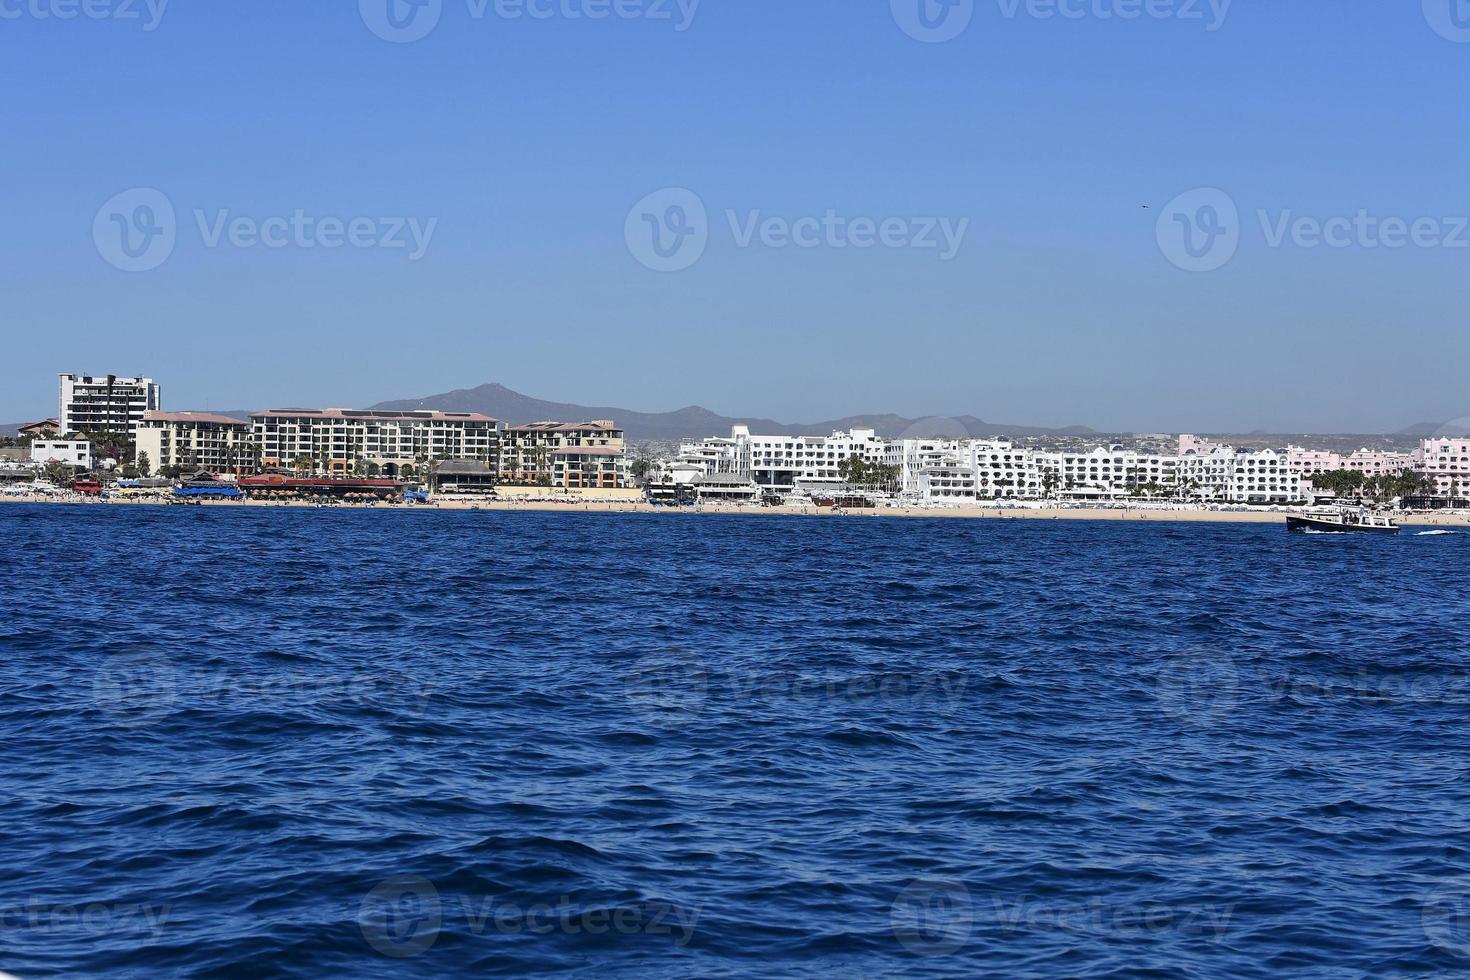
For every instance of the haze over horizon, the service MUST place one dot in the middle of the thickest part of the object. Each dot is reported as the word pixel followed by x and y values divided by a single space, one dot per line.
pixel 515 154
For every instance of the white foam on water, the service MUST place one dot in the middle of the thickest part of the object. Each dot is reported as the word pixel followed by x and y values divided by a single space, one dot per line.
pixel 1433 534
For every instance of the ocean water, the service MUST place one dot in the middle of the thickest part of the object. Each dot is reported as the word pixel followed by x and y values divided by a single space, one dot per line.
pixel 308 743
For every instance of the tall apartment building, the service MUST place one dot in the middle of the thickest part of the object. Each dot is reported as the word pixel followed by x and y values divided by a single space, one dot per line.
pixel 105 403
pixel 334 441
pixel 570 455
pixel 194 441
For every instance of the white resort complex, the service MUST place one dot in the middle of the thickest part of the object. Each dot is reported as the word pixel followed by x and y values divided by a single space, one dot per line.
pixel 958 471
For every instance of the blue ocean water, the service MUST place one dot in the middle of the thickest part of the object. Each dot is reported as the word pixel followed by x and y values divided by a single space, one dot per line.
pixel 304 743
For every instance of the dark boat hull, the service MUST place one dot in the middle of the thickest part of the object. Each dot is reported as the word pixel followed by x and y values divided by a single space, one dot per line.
pixel 1301 525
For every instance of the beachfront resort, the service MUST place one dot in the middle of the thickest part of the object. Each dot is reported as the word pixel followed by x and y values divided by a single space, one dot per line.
pixel 111 438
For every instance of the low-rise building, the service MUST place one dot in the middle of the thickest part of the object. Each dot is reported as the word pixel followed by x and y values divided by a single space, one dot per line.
pixel 195 440
pixel 44 429
pixel 68 452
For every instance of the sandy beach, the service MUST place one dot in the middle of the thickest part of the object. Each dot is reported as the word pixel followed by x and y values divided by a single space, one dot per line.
pixel 623 507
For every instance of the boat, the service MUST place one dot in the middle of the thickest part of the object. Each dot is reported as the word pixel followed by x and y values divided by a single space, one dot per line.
pixel 1341 520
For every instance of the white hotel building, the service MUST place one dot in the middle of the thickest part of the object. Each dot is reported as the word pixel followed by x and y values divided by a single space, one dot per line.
pixel 784 463
pixel 960 470
pixel 104 403
pixel 334 440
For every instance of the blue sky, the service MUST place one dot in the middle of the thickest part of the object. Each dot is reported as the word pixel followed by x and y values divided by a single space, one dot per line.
pixel 526 142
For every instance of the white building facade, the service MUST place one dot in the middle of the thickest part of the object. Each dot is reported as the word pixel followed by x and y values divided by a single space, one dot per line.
pixel 67 452
pixel 105 403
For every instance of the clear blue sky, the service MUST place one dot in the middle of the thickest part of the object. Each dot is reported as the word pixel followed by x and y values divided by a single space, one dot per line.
pixel 530 140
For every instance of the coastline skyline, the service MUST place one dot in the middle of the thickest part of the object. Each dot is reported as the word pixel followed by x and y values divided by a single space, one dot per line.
pixel 699 421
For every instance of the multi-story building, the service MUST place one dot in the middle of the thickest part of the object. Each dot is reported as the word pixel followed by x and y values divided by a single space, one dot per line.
pixel 1264 477
pixel 338 441
pixel 571 455
pixel 194 441
pixel 1446 461
pixel 105 403
pixel 67 452
pixel 1002 470
pixel 1307 463
pixel 1108 471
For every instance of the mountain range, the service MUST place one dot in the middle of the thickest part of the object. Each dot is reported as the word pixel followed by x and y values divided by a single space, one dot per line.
pixel 694 422
pixel 498 401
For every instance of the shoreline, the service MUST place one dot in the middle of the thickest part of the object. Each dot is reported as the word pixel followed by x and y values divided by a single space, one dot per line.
pixel 1147 515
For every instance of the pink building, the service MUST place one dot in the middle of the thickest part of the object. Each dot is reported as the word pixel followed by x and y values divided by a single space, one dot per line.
pixel 1447 462
pixel 1369 462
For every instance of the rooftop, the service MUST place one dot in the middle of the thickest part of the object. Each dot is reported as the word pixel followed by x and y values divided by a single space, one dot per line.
pixel 351 413
pixel 202 417
pixel 600 424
